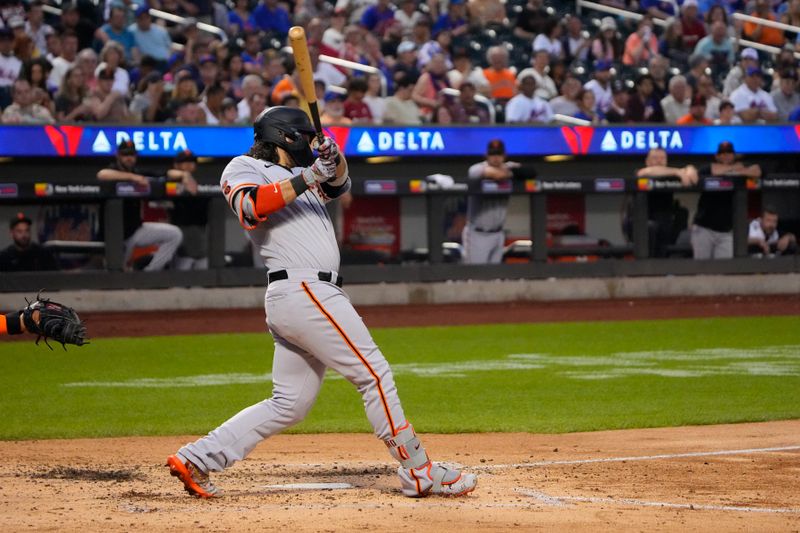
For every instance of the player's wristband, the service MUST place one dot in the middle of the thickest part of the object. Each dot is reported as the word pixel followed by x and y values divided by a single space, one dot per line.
pixel 299 184
pixel 12 325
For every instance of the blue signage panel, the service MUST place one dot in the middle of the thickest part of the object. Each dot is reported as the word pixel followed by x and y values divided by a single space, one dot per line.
pixel 166 141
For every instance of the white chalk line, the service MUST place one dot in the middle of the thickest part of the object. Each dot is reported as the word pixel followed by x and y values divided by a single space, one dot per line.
pixel 560 501
pixel 538 464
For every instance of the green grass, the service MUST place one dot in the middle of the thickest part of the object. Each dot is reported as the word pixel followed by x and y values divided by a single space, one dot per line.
pixel 564 377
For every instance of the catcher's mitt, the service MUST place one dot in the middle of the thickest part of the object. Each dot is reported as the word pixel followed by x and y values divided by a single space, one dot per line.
pixel 49 319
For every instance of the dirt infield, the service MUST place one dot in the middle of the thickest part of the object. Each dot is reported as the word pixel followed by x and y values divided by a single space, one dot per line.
pixel 252 320
pixel 708 478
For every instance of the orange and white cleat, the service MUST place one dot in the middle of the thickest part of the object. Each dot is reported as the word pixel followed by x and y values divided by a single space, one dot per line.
pixel 195 481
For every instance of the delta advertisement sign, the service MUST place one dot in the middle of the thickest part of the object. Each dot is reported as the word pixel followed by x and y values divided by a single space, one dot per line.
pixel 98 141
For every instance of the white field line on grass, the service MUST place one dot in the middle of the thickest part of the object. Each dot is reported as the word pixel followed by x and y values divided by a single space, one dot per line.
pixel 561 501
pixel 538 464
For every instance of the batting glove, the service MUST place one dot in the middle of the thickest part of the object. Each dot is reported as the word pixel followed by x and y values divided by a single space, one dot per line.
pixel 321 171
pixel 328 149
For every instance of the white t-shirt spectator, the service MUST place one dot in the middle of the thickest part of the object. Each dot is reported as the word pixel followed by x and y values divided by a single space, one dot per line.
pixel 60 67
pixel 756 232
pixel 602 95
pixel 524 109
pixel 377 107
pixel 743 98
pixel 406 22
pixel 122 80
pixel 9 70
pixel 211 120
pixel 543 42
pixel 545 86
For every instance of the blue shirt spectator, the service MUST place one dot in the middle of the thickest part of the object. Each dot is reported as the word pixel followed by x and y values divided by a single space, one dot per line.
pixel 377 18
pixel 454 20
pixel 658 8
pixel 269 16
pixel 151 40
pixel 115 30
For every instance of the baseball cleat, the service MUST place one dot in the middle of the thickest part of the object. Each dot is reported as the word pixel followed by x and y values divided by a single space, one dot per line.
pixel 195 481
pixel 434 479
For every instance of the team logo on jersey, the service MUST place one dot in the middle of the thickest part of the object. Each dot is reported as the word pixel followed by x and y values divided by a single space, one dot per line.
pixel 226 189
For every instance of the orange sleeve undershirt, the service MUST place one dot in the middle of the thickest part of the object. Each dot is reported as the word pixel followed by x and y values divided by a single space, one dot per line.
pixel 3 327
pixel 269 199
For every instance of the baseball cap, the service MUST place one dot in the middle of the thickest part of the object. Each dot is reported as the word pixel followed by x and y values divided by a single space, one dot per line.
pixel 141 10
pixel 19 218
pixel 749 53
pixel 126 148
pixel 602 64
pixel 496 147
pixel 608 23
pixel 208 58
pixel 332 95
pixel 185 156
pixel 689 3
pixel 725 147
pixel 698 100
pixel 406 46
pixel 754 71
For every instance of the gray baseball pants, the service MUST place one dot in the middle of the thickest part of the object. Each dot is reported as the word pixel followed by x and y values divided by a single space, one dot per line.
pixel 315 327
pixel 482 247
pixel 166 236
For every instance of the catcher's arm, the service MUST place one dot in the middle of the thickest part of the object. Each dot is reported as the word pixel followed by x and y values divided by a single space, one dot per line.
pixel 47 319
pixel 12 324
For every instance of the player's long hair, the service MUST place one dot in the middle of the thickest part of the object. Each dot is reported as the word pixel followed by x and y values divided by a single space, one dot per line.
pixel 264 151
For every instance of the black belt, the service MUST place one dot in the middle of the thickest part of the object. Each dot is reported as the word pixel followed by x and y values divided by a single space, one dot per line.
pixel 483 230
pixel 278 275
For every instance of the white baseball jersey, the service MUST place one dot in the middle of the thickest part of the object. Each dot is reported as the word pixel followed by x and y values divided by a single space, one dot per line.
pixel 757 232
pixel 743 98
pixel 524 109
pixel 299 235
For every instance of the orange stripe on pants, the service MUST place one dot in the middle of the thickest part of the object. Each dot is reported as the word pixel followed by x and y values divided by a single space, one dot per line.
pixel 353 348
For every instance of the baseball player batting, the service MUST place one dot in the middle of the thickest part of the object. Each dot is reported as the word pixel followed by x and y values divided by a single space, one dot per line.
pixel 278 190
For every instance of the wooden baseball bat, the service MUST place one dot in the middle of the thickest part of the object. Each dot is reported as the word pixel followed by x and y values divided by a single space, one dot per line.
pixel 302 60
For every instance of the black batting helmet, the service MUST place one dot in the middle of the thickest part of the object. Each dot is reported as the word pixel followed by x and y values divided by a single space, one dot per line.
pixel 276 124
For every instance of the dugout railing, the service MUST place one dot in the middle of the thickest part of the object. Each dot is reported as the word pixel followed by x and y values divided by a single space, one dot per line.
pixel 111 195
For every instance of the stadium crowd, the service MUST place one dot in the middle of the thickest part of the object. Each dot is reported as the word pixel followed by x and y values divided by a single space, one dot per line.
pixel 434 61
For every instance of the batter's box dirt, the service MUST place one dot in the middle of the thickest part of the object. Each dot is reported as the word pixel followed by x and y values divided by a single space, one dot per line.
pixel 80 474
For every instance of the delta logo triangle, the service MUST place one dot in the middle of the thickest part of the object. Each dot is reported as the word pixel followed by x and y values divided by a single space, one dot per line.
pixel 365 143
pixel 101 144
pixel 609 143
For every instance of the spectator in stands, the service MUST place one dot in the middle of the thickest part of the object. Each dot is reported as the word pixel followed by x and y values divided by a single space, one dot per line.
pixel 693 27
pixel 36 27
pixel 763 238
pixel 465 109
pixel 70 99
pixel 526 107
pixel 427 91
pixel 607 45
pixel 69 49
pixel 325 71
pixel 251 55
pixel 712 232
pixel 642 105
pixel 705 88
pixel 640 45
pixel 211 105
pixel 257 102
pixel 483 237
pixel 697 113
pixel 239 18
pixel 718 12
pixel 440 45
pixel 663 215
pixel 333 37
pixel 374 99
pixel 209 71
pixel 269 16
pixel 463 71
pixel 10 66
pixel 567 103
pixel 229 112
pixel 760 33
pixel 784 62
pixel 600 85
pixel 785 95
pixel 791 17
pixel 587 107
pixel 87 62
pixel 618 110
pixel 377 17
pixel 355 108
pixel 23 110
pixel 250 84
pixel 72 22
pixel 532 20
pixel 115 30
pixel 751 102
pixel 575 41
pixel 727 114
pixel 660 9
pixel 454 20
pixel 233 75
pixel 401 108
pixel 487 13
pixel 135 232
pixel 146 105
pixel 107 105
pixel 676 103
pixel 406 64
pixel 545 86
pixel 698 65
pixel 151 39
pixel 37 72
pixel 747 58
pixel 24 255
pixel 407 16
pixel 112 57
pixel 550 40
pixel 658 68
pixel 421 33
pixel 190 214
pixel 334 110
pixel 718 46
pixel 672 43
